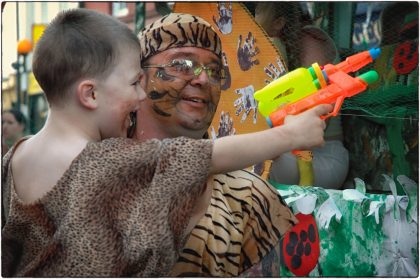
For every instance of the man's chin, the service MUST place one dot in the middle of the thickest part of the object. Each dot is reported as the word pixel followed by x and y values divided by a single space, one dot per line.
pixel 194 130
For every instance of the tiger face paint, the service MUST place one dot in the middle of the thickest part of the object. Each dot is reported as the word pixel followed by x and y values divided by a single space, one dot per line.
pixel 189 103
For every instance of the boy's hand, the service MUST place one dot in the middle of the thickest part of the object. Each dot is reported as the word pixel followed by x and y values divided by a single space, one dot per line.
pixel 307 129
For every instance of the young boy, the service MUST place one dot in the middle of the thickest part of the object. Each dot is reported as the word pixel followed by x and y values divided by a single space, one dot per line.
pixel 82 200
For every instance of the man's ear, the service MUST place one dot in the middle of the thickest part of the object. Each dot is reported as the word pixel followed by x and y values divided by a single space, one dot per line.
pixel 86 94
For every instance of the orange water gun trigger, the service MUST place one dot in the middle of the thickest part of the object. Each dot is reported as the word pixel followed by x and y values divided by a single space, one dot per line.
pixel 336 109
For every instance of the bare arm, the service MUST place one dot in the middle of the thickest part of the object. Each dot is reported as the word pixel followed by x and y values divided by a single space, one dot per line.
pixel 302 131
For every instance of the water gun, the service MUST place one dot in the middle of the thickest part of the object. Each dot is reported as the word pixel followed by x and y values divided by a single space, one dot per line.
pixel 305 88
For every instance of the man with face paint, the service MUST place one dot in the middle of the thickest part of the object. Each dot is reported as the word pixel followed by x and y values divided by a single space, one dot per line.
pixel 240 219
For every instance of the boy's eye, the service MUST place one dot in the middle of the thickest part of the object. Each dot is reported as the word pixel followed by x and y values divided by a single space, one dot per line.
pixel 136 82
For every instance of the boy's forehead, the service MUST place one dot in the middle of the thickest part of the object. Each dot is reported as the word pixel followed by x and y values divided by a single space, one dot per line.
pixel 126 60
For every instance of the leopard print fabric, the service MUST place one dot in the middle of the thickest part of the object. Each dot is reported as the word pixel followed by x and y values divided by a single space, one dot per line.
pixel 242 226
pixel 121 209
pixel 178 30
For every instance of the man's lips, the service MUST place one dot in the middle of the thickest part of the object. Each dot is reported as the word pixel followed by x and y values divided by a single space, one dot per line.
pixel 198 100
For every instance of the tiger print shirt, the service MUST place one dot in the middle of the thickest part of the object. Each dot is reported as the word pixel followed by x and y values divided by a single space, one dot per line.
pixel 240 231
pixel 120 209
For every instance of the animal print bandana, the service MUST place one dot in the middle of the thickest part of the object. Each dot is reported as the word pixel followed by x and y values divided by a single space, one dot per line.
pixel 178 30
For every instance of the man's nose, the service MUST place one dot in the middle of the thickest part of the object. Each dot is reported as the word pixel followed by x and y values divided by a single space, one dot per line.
pixel 201 78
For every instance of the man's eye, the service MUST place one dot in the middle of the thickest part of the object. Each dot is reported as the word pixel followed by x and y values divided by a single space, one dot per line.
pixel 161 74
pixel 214 72
pixel 183 66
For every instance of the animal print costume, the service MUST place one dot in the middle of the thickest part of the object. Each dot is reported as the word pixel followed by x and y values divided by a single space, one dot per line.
pixel 246 219
pixel 243 224
pixel 121 209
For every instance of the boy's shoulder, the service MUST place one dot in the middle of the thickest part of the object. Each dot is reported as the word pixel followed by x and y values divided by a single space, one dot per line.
pixel 37 163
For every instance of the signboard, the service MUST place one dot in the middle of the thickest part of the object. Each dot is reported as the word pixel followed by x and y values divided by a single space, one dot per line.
pixel 33 86
pixel 37 30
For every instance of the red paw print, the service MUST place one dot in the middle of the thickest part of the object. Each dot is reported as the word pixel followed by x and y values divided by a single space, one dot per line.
pixel 301 246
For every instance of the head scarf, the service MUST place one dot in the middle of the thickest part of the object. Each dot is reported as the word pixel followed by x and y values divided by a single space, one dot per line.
pixel 178 30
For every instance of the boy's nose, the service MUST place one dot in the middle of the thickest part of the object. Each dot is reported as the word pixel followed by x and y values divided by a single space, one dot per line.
pixel 142 94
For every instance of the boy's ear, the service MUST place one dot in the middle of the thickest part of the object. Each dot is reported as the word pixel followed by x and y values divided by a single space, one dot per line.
pixel 86 94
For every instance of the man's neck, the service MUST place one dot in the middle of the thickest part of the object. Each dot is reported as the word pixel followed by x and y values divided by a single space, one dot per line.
pixel 147 132
pixel 159 131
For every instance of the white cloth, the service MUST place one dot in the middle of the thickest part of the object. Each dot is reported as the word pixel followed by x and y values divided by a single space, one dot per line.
pixel 330 164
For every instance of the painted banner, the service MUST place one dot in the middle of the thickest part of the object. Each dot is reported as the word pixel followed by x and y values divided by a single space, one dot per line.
pixel 249 57
pixel 360 234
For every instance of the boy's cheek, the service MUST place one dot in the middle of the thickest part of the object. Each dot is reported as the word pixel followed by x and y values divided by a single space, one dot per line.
pixel 143 80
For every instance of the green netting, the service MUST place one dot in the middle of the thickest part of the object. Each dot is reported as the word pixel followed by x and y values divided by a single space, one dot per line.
pixel 351 27
pixel 395 101
pixel 395 94
pixel 380 125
